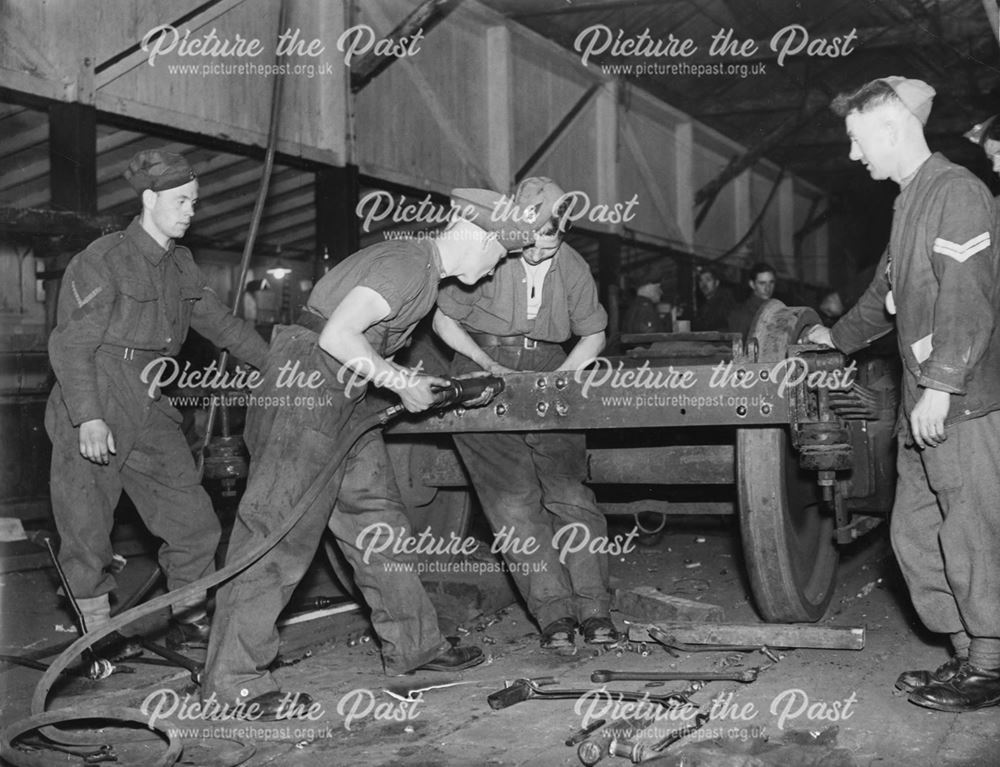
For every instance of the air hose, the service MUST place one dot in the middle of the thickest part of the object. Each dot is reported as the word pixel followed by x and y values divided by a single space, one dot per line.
pixel 459 391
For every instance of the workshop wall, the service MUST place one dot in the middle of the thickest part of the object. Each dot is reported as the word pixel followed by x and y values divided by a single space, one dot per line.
pixel 55 50
pixel 483 101
pixel 481 104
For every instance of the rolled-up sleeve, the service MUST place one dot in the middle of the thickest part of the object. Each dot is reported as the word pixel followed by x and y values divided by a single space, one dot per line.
pixel 586 315
pixel 455 302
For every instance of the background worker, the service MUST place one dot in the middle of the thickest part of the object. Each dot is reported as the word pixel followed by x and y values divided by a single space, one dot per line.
pixel 762 281
pixel 127 299
pixel 939 283
pixel 533 483
pixel 358 315
pixel 643 315
pixel 717 302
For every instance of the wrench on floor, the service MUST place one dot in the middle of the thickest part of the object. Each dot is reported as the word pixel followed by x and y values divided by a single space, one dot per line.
pixel 527 689
pixel 603 676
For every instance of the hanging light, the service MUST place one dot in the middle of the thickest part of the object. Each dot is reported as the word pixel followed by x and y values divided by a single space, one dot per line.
pixel 279 272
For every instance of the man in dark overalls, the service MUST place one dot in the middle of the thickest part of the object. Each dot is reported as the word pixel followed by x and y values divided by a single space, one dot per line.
pixel 127 300
pixel 938 285
pixel 358 315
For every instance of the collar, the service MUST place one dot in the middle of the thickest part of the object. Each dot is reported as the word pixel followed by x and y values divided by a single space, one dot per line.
pixel 541 266
pixel 553 261
pixel 146 245
pixel 927 167
pixel 905 181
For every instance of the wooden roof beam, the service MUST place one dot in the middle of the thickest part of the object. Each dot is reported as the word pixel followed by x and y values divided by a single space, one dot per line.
pixel 422 19
pixel 707 194
pixel 133 56
pixel 277 207
pixel 237 201
pixel 56 222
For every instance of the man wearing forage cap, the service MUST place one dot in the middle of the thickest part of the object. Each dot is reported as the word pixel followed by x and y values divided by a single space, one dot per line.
pixel 937 284
pixel 128 299
pixel 357 316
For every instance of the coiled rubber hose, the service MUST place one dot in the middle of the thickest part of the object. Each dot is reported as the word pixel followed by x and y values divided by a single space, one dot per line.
pixel 39 718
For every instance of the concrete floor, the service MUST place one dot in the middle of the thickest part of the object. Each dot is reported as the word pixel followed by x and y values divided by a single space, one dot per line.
pixel 359 722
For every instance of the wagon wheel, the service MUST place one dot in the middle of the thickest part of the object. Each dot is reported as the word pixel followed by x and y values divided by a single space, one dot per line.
pixel 788 542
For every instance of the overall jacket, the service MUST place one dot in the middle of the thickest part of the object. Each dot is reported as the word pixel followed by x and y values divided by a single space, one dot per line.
pixel 940 276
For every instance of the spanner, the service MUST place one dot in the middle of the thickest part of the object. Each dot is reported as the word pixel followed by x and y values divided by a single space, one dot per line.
pixel 527 689
pixel 603 676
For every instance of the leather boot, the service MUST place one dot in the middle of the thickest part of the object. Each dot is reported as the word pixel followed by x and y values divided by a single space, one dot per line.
pixel 599 630
pixel 559 634
pixel 971 688
pixel 909 681
pixel 454 659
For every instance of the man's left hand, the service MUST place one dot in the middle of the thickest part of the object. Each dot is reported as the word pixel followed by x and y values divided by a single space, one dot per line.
pixel 927 418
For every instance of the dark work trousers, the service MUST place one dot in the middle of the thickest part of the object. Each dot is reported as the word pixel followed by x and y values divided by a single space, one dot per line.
pixel 294 443
pixel 153 464
pixel 946 528
pixel 531 485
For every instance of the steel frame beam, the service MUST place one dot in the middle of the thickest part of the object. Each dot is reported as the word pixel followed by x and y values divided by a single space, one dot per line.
pixel 612 395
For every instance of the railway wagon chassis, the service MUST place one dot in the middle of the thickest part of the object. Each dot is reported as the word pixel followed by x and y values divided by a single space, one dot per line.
pixel 808 455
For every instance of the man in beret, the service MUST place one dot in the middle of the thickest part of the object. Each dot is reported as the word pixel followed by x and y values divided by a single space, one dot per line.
pixel 938 284
pixel 128 299
pixel 358 316
pixel 533 483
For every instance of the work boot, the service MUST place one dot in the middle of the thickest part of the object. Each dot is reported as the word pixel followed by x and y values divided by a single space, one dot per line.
pixel 454 659
pixel 117 647
pixel 559 634
pixel 188 635
pixel 599 630
pixel 909 681
pixel 971 688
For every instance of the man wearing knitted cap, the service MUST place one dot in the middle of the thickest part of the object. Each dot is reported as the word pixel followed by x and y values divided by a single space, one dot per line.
pixel 357 317
pixel 938 284
pixel 127 300
pixel 532 483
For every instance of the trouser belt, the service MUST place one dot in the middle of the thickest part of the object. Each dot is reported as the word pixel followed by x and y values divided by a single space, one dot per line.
pixel 488 339
pixel 311 321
